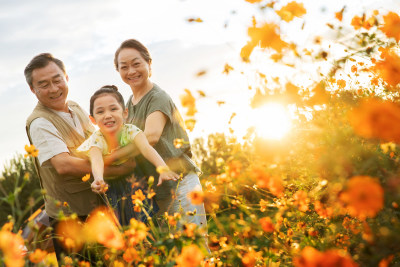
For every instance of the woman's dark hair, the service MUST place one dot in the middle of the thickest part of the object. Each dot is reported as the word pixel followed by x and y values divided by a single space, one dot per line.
pixel 41 61
pixel 107 90
pixel 135 44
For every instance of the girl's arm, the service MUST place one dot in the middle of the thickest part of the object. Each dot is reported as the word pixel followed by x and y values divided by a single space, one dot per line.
pixel 96 161
pixel 151 155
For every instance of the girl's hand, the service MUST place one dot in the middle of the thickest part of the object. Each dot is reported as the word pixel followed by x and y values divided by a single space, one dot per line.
pixel 167 175
pixel 99 186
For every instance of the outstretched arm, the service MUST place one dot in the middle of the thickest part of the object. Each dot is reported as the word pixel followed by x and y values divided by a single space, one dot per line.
pixel 151 155
pixel 97 163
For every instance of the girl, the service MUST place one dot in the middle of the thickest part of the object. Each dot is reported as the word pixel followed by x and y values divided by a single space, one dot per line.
pixel 107 111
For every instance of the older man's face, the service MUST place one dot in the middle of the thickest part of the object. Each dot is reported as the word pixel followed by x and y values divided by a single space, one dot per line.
pixel 49 84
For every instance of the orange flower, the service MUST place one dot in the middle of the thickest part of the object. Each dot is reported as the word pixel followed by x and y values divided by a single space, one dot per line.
pixel 312 257
pixel 130 255
pixel 37 256
pixel 189 228
pixel 178 142
pixel 386 261
pixel 264 180
pixel 253 1
pixel 339 15
pixel 189 124
pixel 301 200
pixel 267 36
pixel 31 151
pixel 263 205
pixel 102 227
pixel 86 177
pixel 363 197
pixel 388 69
pixel 138 196
pixel 267 225
pixel 196 197
pixel 341 83
pixel 250 258
pixel 12 247
pixel 233 169
pixel 70 234
pixel 323 212
pixel 246 51
pixel 84 264
pixel 191 256
pixel 136 233
pixel 357 22
pixel 188 101
pixel 291 10
pixel 227 68
pixel 377 119
pixel 391 25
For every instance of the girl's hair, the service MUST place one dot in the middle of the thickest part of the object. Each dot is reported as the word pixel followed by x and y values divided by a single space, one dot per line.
pixel 107 90
pixel 135 44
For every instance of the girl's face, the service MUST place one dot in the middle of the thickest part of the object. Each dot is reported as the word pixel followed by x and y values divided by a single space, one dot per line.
pixel 133 68
pixel 108 114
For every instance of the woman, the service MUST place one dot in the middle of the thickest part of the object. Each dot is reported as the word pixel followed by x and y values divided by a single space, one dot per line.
pixel 152 110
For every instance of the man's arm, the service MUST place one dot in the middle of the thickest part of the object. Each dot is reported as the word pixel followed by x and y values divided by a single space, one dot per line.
pixel 65 164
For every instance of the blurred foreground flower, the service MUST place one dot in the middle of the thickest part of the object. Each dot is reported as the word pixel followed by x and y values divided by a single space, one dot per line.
pixel 363 197
pixel 291 10
pixel 330 258
pixel 388 69
pixel 12 246
pixel 102 227
pixel 37 256
pixel 191 256
pixel 391 25
pixel 377 119
pixel 70 234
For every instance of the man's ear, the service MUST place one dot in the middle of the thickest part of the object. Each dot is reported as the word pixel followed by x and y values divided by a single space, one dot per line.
pixel 32 90
pixel 92 120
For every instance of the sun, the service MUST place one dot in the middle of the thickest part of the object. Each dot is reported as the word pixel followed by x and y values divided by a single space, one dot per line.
pixel 271 121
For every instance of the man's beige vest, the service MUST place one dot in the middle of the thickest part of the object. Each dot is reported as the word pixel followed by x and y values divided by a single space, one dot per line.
pixel 64 193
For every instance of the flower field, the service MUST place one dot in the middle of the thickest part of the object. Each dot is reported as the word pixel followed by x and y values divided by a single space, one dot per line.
pixel 326 193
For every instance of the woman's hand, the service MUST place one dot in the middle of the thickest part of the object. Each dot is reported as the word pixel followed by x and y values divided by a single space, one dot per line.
pixel 167 175
pixel 99 186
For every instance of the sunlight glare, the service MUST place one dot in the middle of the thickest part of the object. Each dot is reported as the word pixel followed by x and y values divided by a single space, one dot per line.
pixel 271 121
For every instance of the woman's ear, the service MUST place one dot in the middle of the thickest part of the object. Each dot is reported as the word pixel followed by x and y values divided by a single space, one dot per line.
pixel 92 120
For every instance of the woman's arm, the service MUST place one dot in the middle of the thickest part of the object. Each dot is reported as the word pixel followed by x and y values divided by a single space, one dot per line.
pixel 154 126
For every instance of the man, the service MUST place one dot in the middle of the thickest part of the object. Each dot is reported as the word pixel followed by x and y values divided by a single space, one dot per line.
pixel 57 127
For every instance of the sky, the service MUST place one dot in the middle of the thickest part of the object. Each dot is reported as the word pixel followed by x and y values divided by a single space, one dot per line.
pixel 85 35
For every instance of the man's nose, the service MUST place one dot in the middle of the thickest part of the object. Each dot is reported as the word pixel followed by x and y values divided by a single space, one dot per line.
pixel 53 87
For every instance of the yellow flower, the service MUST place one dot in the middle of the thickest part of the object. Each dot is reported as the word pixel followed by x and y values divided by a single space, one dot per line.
pixel 31 151
pixel 86 177
pixel 291 10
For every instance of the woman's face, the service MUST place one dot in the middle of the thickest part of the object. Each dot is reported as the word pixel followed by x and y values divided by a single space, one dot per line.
pixel 133 68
